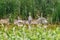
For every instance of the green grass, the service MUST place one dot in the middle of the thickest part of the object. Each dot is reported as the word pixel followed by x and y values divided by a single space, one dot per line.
pixel 13 32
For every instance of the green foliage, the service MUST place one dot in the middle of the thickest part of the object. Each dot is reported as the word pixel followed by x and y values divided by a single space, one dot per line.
pixel 36 7
pixel 13 32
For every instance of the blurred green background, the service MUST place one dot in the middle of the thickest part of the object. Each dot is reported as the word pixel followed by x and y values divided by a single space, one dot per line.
pixel 49 9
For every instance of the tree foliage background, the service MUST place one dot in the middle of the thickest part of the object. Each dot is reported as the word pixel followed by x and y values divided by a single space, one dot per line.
pixel 49 9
